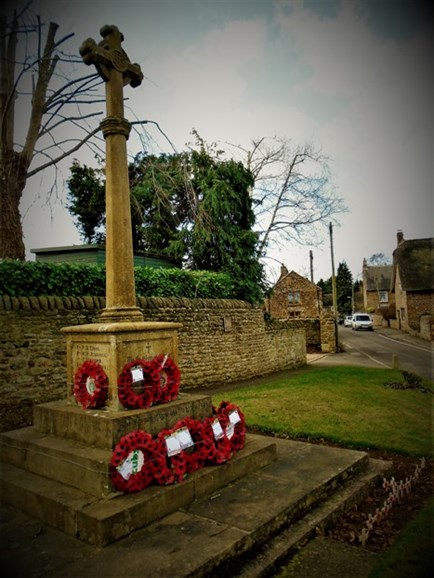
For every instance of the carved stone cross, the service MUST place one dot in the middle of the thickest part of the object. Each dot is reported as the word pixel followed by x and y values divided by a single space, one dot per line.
pixel 115 68
pixel 109 54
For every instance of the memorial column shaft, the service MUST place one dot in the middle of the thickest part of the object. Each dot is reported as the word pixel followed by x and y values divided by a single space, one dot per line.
pixel 120 284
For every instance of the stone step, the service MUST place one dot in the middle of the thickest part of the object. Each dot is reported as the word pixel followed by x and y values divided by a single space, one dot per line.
pixel 77 465
pixel 276 552
pixel 104 428
pixel 66 461
pixel 246 528
pixel 103 521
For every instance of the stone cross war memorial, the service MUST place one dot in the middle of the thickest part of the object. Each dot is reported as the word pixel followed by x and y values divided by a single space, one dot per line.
pixel 124 425
pixel 126 450
pixel 121 335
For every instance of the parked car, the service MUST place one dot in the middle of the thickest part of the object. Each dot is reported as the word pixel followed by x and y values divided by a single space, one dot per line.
pixel 348 321
pixel 362 321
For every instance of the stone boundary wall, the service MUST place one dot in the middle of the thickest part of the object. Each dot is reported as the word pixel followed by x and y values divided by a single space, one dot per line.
pixel 220 341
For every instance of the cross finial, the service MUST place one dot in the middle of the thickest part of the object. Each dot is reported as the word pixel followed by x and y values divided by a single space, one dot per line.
pixel 110 54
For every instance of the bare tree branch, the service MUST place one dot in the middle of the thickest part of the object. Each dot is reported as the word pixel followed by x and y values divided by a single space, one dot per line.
pixel 293 195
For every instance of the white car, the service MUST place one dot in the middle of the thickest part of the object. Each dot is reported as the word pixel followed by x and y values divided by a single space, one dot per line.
pixel 348 321
pixel 362 321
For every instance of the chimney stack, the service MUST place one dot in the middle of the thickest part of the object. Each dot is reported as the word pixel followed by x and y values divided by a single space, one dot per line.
pixel 399 237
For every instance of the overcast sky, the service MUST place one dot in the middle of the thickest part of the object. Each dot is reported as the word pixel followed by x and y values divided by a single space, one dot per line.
pixel 353 78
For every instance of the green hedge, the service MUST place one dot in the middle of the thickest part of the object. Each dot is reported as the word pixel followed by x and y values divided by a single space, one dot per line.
pixel 33 278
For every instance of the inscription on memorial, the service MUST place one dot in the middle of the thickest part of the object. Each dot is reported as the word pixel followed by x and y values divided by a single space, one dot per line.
pixel 84 351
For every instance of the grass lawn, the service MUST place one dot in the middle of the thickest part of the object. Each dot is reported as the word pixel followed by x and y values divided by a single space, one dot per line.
pixel 347 405
pixel 352 407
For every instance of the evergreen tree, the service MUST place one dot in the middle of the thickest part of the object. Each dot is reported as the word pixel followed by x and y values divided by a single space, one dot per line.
pixel 222 238
pixel 86 202
pixel 344 284
pixel 325 285
pixel 192 207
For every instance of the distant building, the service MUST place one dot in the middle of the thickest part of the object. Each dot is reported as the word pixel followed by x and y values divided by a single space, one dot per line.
pixel 295 296
pixel 95 255
pixel 413 285
pixel 376 285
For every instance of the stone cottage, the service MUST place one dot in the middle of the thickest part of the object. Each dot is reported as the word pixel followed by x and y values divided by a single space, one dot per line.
pixel 376 281
pixel 413 285
pixel 295 296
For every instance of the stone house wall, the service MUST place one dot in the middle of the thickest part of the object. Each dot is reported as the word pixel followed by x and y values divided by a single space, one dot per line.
pixel 220 341
pixel 307 306
pixel 419 304
pixel 414 311
pixel 371 301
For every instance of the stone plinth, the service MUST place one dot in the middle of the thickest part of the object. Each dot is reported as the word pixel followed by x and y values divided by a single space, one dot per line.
pixel 113 345
pixel 103 429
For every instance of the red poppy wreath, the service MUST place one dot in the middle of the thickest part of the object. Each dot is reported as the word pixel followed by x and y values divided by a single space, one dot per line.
pixel 132 462
pixel 233 422
pixel 171 459
pixel 169 378
pixel 137 384
pixel 218 444
pixel 196 454
pixel 90 385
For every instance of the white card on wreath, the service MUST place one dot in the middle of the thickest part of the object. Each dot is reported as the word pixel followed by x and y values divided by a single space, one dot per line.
pixel 173 446
pixel 137 374
pixel 217 429
pixel 234 417
pixel 184 437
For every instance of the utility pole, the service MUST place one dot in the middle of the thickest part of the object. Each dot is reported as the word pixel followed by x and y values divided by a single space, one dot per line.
pixel 311 264
pixel 335 301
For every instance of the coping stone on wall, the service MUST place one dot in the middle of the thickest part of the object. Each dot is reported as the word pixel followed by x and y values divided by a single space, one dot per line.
pixel 34 302
pixel 15 303
pixel 25 303
pixel 46 303
pixel 88 301
pixel 6 302
pixel 67 302
pixel 43 302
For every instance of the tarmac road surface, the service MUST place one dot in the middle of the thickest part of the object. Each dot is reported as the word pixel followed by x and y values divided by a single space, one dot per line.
pixel 390 348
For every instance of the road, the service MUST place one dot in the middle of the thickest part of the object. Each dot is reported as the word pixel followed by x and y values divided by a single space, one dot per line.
pixel 380 346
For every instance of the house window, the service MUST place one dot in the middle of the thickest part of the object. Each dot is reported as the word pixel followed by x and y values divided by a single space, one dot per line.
pixel 293 297
pixel 383 296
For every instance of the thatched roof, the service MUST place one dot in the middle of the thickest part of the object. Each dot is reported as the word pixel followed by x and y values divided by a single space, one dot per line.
pixel 378 277
pixel 415 259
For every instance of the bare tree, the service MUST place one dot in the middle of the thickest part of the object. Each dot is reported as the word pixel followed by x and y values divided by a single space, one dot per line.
pixel 35 90
pixel 293 194
pixel 379 259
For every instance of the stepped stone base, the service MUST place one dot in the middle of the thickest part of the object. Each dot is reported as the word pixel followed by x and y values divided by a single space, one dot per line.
pixel 244 528
pixel 58 469
pixel 103 521
pixel 104 428
pixel 241 518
